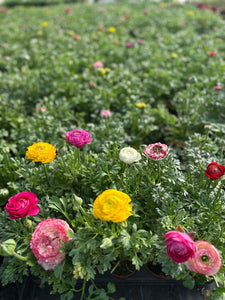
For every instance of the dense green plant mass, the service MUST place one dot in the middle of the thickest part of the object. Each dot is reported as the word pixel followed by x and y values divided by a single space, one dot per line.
pixel 161 80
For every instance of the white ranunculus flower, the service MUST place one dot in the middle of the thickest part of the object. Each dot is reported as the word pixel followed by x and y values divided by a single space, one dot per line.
pixel 129 155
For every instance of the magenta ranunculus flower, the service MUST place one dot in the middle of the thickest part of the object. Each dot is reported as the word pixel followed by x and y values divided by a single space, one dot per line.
pixel 46 241
pixel 22 204
pixel 156 151
pixel 105 113
pixel 78 137
pixel 180 247
pixel 206 260
pixel 98 64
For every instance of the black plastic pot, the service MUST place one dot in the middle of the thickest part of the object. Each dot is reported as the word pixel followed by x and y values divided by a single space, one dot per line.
pixel 141 286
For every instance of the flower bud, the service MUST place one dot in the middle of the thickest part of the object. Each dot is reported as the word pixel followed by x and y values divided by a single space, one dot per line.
pixel 4 193
pixel 28 223
pixel 106 243
pixel 7 248
pixel 77 202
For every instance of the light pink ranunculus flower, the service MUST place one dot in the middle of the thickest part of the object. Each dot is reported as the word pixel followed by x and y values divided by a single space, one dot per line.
pixel 156 151
pixel 78 137
pixel 206 260
pixel 46 241
pixel 42 108
pixel 98 64
pixel 105 113
pixel 141 41
pixel 179 245
pixel 21 205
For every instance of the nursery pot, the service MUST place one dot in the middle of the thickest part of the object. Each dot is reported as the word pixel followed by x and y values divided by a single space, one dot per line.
pixel 156 270
pixel 123 269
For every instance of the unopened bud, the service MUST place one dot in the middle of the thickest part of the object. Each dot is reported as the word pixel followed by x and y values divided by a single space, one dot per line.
pixel 106 243
pixel 7 248
pixel 77 202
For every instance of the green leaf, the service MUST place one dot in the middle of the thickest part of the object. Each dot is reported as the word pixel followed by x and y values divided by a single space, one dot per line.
pixel 111 288
pixel 189 283
pixel 58 270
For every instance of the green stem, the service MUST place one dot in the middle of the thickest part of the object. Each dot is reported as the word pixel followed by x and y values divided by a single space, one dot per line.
pixel 83 289
pixel 219 190
pixel 19 256
pixel 46 174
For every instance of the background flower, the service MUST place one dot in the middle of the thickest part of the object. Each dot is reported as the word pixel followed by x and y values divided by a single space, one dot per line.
pixel 22 204
pixel 112 205
pixel 180 247
pixel 78 137
pixel 156 151
pixel 98 64
pixel 105 113
pixel 129 155
pixel 41 152
pixel 46 241
pixel 215 171
pixel 206 260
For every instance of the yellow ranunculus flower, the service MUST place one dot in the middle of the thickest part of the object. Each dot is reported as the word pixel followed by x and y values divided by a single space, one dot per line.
pixel 162 4
pixel 174 55
pixel 112 29
pixel 112 205
pixel 190 13
pixel 44 24
pixel 141 104
pixel 41 152
pixel 104 70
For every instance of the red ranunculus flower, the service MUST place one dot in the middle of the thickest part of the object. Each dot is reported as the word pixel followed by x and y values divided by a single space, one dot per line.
pixel 215 171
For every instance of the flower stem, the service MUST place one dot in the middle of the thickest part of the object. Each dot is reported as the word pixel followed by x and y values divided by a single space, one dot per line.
pixel 83 289
pixel 46 174
pixel 19 256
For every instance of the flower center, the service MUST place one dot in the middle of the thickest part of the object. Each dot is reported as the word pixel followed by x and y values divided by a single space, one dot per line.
pixel 40 148
pixel 205 259
pixel 157 149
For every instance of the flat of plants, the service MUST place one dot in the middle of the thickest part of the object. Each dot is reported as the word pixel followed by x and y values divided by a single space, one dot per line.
pixel 112 148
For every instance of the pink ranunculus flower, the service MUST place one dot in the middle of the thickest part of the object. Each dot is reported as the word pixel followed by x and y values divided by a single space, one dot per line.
pixel 206 260
pixel 218 87
pixel 105 113
pixel 46 241
pixel 21 205
pixel 180 247
pixel 129 45
pixel 156 151
pixel 141 41
pixel 68 10
pixel 78 137
pixel 42 108
pixel 98 64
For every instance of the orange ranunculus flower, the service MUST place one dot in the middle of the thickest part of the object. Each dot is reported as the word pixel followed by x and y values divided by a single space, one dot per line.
pixel 41 152
pixel 112 205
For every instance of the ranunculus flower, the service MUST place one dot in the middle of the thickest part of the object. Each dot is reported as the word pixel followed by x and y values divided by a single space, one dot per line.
pixel 129 155
pixel 98 64
pixel 180 247
pixel 146 11
pixel 78 137
pixel 215 171
pixel 156 151
pixel 112 29
pixel 41 152
pixel 68 10
pixel 46 241
pixel 105 113
pixel 218 87
pixel 112 205
pixel 22 204
pixel 212 53
pixel 42 108
pixel 141 41
pixel 206 260
pixel 129 45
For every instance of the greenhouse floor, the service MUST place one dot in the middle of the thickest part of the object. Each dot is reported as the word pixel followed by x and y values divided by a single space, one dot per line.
pixel 141 286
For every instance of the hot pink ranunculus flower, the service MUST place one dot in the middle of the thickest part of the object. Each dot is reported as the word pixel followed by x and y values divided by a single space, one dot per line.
pixel 78 137
pixel 179 245
pixel 46 241
pixel 22 204
pixel 105 113
pixel 156 151
pixel 206 260
pixel 98 64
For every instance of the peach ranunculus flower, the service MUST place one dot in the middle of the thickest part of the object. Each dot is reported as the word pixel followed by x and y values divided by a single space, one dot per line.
pixel 206 261
pixel 112 205
pixel 112 29
pixel 41 152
